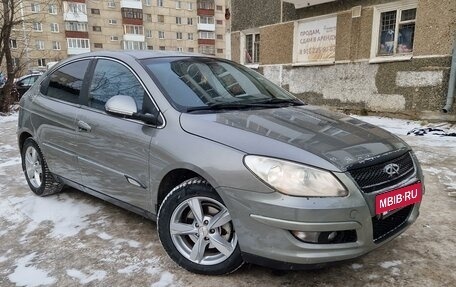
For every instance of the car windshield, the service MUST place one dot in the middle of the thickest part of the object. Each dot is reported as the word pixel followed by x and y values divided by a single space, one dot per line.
pixel 194 84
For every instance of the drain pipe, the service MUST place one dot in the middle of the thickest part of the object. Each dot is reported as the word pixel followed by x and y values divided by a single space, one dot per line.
pixel 452 82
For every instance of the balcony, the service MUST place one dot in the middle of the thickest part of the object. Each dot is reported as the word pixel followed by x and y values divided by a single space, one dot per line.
pixel 134 37
pixel 206 27
pixel 136 4
pixel 75 17
pixel 77 34
pixel 206 41
pixel 306 3
pixel 205 12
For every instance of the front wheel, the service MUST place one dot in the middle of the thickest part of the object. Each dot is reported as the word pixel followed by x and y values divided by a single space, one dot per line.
pixel 196 229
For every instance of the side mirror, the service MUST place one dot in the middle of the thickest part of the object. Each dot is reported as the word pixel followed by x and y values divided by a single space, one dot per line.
pixel 121 105
pixel 126 106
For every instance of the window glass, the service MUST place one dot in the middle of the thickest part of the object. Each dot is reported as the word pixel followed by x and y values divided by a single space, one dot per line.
pixel 110 79
pixel 397 32
pixel 66 83
pixel 196 82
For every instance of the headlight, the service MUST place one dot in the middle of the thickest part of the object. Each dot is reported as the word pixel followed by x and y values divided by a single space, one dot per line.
pixel 295 179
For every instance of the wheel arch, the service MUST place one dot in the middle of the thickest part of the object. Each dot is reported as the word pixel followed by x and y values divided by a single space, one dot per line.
pixel 176 176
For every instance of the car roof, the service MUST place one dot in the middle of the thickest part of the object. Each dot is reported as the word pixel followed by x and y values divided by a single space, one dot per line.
pixel 139 54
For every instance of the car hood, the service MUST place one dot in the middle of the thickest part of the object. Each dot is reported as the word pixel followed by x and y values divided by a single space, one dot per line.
pixel 305 134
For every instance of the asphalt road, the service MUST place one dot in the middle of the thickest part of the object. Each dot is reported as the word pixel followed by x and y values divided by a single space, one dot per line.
pixel 74 239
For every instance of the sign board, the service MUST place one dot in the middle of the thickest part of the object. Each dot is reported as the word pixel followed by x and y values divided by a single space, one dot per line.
pixel 315 41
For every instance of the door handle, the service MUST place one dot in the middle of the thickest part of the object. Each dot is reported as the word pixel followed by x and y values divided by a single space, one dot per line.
pixel 84 127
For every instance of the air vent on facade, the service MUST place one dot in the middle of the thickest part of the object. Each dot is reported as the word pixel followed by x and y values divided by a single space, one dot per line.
pixel 356 12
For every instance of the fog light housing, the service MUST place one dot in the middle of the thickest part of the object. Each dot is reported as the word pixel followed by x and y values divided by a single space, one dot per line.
pixel 326 237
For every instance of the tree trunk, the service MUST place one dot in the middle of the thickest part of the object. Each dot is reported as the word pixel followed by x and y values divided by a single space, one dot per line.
pixel 8 19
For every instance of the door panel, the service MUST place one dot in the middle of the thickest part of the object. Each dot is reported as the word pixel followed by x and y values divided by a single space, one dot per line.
pixel 114 152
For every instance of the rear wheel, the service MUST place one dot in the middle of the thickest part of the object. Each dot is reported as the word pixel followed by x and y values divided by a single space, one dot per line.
pixel 39 178
pixel 196 229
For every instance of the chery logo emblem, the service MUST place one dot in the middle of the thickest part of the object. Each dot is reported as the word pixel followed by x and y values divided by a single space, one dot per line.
pixel 391 169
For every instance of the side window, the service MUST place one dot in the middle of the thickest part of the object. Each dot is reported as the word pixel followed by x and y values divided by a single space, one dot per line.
pixel 110 79
pixel 66 83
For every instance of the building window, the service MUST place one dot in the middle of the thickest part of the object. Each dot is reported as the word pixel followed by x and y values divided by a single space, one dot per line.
pixel 39 44
pixel 35 7
pixel 53 9
pixel 161 35
pixel 393 29
pixel 149 17
pixel 179 49
pixel 13 44
pixel 162 48
pixel 95 11
pixel 219 51
pixel 219 8
pixel 41 62
pixel 77 8
pixel 150 47
pixel 37 27
pixel 190 36
pixel 178 4
pixel 190 21
pixel 96 28
pixel 160 3
pixel 112 21
pixel 16 62
pixel 54 27
pixel 78 43
pixel 178 20
pixel 179 35
pixel 98 45
pixel 111 4
pixel 134 45
pixel 134 29
pixel 208 50
pixel 148 2
pixel 206 35
pixel 76 26
pixel 191 50
pixel 206 5
pixel 161 19
pixel 56 45
pixel 114 38
pixel 219 37
pixel 148 33
pixel 190 6
pixel 219 22
pixel 252 48
pixel 206 20
pixel 131 13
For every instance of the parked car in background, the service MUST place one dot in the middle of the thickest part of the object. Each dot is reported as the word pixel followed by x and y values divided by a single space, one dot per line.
pixel 233 168
pixel 21 85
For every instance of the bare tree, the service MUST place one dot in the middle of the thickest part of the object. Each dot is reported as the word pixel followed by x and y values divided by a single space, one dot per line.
pixel 16 23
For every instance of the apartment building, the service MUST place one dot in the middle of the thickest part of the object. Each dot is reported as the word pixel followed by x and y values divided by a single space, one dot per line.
pixel 54 30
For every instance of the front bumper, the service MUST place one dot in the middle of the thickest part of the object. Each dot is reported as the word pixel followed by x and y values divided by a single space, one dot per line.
pixel 263 223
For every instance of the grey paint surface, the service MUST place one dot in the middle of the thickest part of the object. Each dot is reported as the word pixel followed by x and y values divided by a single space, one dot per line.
pixel 213 146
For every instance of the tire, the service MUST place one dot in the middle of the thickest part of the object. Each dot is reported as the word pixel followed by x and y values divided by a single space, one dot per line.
pixel 183 234
pixel 39 178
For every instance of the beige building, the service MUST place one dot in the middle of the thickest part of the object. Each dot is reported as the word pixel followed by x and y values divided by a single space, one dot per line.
pixel 54 30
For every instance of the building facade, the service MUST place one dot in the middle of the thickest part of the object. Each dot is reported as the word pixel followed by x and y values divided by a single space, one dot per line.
pixel 368 55
pixel 54 30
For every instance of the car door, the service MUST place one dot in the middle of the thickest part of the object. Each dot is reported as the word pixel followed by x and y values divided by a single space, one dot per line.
pixel 114 151
pixel 54 114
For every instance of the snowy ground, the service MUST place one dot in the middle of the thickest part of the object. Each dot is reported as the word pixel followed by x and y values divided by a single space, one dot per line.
pixel 75 239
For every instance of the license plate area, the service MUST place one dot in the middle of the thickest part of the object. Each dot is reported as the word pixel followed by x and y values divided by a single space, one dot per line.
pixel 386 202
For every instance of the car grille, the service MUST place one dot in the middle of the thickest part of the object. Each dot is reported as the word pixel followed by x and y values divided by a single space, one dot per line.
pixel 373 178
pixel 386 227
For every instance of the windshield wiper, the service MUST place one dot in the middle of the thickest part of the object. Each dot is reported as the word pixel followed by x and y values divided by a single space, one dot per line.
pixel 280 102
pixel 228 106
